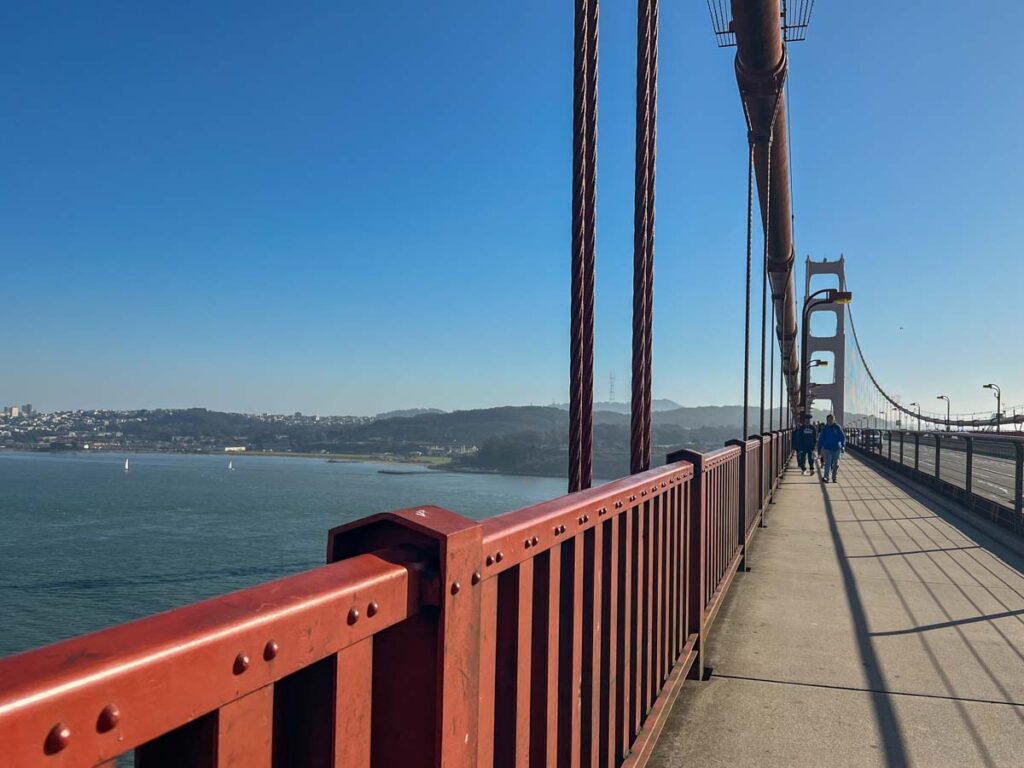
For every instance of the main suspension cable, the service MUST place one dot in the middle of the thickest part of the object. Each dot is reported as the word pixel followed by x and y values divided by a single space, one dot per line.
pixel 923 417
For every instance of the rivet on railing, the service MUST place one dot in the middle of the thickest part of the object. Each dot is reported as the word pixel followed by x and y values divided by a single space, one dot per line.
pixel 476 577
pixel 372 608
pixel 241 663
pixel 534 541
pixel 526 543
pixel 270 651
pixel 490 560
pixel 57 739
pixel 353 616
pixel 643 493
pixel 499 557
pixel 109 717
pixel 456 587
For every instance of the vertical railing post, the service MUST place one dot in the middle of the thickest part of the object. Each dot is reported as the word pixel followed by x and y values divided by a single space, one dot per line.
pixel 696 535
pixel 917 451
pixel 760 472
pixel 889 439
pixel 1018 495
pixel 901 447
pixel 744 512
pixel 970 466
pixel 938 445
pixel 429 666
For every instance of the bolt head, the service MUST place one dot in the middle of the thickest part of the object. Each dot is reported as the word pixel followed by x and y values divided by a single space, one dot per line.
pixel 57 739
pixel 499 557
pixel 456 587
pixel 270 650
pixel 353 615
pixel 241 663
pixel 490 560
pixel 372 608
pixel 109 717
pixel 476 577
pixel 534 541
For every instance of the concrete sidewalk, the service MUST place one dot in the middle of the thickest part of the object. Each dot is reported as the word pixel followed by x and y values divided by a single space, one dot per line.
pixel 874 629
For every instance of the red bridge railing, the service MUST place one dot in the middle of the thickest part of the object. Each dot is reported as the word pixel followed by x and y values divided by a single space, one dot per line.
pixel 558 634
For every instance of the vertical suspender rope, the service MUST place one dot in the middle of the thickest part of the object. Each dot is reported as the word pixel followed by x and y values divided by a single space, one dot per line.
pixel 587 389
pixel 746 323
pixel 584 175
pixel 643 234
pixel 782 424
pixel 764 265
pixel 771 368
pixel 652 135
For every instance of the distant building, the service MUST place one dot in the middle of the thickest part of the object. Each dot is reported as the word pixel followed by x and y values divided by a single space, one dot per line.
pixel 234 449
pixel 26 409
pixel 13 411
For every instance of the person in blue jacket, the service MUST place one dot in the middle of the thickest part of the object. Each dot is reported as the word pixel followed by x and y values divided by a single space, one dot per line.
pixel 831 443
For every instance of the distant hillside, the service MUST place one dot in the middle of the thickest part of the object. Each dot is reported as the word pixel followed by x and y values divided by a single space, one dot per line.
pixel 408 413
pixel 624 408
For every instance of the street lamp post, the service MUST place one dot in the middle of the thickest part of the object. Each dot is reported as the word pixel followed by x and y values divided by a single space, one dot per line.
pixel 946 398
pixel 918 415
pixel 999 404
pixel 832 296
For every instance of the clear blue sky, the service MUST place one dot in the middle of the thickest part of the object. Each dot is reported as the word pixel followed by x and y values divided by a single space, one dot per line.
pixel 351 207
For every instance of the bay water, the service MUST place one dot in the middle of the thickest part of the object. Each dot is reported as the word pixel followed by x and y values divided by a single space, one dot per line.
pixel 84 544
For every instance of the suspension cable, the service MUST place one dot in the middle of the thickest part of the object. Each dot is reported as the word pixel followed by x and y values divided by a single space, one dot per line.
pixel 584 177
pixel 895 403
pixel 643 234
pixel 746 324
pixel 764 268
pixel 771 370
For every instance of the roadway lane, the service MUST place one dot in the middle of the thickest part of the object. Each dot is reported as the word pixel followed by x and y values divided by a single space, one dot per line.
pixel 993 476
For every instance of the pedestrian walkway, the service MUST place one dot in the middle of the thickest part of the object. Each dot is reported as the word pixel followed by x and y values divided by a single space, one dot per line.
pixel 875 628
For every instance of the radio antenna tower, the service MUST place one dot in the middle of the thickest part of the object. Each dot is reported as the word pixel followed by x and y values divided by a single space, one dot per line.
pixel 611 387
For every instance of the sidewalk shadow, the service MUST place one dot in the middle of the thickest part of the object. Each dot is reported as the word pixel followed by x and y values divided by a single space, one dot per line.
pixel 881 702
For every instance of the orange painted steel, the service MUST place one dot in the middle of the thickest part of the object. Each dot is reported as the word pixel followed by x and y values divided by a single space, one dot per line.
pixel 558 634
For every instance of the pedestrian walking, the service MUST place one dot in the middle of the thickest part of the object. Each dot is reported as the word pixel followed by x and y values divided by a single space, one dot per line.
pixel 831 444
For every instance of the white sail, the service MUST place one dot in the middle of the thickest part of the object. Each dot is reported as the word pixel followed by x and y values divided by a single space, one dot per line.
pixel 126 465
pixel 231 465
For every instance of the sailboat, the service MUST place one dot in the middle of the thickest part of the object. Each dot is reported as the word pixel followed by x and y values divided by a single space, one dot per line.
pixel 231 465
pixel 126 465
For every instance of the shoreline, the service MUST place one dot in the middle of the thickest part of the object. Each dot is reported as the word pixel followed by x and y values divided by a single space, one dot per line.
pixel 339 458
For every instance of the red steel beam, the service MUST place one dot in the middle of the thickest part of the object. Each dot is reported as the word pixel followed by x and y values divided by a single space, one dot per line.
pixel 89 699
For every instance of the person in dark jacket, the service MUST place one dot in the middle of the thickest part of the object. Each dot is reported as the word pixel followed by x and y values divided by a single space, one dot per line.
pixel 831 443
pixel 805 438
